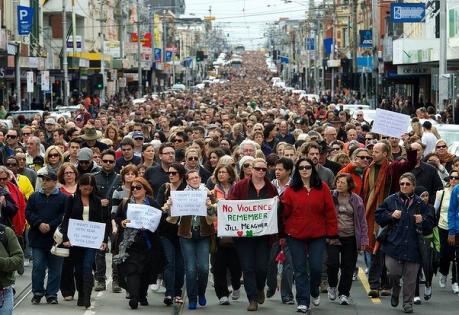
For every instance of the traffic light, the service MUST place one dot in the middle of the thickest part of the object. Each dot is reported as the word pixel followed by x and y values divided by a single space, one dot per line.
pixel 97 81
pixel 199 55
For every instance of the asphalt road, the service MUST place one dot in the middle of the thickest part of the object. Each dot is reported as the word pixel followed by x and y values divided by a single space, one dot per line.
pixel 106 302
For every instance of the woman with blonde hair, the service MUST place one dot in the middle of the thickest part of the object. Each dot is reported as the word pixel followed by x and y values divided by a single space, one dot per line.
pixel 53 161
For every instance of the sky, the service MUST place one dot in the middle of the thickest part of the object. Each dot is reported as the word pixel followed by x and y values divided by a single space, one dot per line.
pixel 246 20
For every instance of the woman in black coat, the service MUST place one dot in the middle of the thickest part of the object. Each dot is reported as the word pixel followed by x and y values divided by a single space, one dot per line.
pixel 140 257
pixel 86 206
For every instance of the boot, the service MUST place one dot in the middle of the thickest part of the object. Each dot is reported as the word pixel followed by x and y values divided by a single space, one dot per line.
pixel 79 288
pixel 88 283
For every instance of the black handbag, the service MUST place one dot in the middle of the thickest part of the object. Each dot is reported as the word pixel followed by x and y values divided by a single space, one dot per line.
pixel 383 233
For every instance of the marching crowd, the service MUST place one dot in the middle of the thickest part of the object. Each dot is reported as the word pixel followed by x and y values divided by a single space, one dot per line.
pixel 342 189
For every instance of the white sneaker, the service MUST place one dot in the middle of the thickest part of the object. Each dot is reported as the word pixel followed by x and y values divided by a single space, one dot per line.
pixel 344 300
pixel 316 301
pixel 331 292
pixel 236 295
pixel 417 300
pixel 302 309
pixel 224 300
pixel 442 281
pixel 455 288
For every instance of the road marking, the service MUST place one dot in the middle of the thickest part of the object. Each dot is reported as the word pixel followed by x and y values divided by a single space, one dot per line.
pixel 364 280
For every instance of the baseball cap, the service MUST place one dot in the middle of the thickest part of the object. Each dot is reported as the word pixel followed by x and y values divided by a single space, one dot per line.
pixel 48 173
pixel 137 134
pixel 84 154
pixel 50 121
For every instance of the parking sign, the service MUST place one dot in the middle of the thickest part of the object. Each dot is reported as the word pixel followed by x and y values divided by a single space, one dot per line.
pixel 24 17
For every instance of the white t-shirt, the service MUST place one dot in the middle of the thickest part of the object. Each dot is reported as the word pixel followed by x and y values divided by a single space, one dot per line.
pixel 429 140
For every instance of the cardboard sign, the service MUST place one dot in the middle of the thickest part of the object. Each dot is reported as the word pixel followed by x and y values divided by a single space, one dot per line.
pixel 189 202
pixel 390 124
pixel 247 218
pixel 143 217
pixel 86 234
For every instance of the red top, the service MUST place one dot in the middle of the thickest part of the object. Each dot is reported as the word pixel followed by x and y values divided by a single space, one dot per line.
pixel 309 214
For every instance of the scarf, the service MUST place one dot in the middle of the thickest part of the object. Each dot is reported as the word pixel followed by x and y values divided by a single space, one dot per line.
pixel 374 191
pixel 445 158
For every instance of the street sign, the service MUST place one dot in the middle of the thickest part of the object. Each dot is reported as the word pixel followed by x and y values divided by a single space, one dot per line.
pixel 24 17
pixel 283 59
pixel 407 12
pixel 310 43
pixel 366 39
pixel 168 56
pixel 29 81
pixel 45 80
pixel 157 54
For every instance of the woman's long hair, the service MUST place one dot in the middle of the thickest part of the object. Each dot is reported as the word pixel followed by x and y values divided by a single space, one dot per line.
pixel 87 179
pixel 297 182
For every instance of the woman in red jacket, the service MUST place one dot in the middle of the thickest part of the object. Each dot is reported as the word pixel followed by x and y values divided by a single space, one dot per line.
pixel 254 251
pixel 309 219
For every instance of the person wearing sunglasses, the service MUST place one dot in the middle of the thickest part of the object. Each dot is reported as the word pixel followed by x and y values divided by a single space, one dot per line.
pixel 87 206
pixel 254 251
pixel 86 165
pixel 12 141
pixel 360 160
pixel 406 218
pixel 174 271
pixel 193 162
pixel 53 161
pixel 309 221
pixel 194 236
pixel 140 258
pixel 447 251
pixel 446 158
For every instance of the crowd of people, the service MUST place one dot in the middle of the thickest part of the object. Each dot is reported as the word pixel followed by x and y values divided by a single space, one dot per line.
pixel 342 189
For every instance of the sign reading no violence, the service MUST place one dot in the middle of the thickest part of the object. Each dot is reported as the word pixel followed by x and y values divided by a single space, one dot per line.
pixel 247 218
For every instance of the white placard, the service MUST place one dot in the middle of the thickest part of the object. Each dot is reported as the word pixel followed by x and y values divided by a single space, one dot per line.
pixel 247 218
pixel 29 81
pixel 143 217
pixel 86 234
pixel 45 81
pixel 390 124
pixel 190 202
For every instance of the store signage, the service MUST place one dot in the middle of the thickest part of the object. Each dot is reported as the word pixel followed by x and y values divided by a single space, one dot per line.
pixel 413 70
pixel 407 12
pixel 366 39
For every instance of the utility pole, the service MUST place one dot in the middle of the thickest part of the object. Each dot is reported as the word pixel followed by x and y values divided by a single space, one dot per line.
pixel 332 54
pixel 316 65
pixel 139 60
pixel 153 58
pixel 354 36
pixel 64 54
pixel 443 60
pixel 102 52
pixel 375 21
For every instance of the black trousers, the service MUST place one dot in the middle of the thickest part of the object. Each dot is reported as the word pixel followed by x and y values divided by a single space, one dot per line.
pixel 226 259
pixel 377 273
pixel 67 285
pixel 446 255
pixel 342 257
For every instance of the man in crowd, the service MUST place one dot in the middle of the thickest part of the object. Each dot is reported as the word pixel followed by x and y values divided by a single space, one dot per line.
pixel 12 142
pixel 128 157
pixel 159 174
pixel 85 162
pixel 34 156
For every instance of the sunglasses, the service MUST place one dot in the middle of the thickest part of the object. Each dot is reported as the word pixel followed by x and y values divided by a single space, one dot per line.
pixel 336 149
pixel 368 158
pixel 138 138
pixel 246 165
pixel 405 184
pixel 454 177
pixel 11 137
pixel 193 158
pixel 178 140
pixel 3 179
pixel 172 173
pixel 108 161
pixel 441 146
pixel 305 167
pixel 53 155
pixel 84 162
pixel 137 187
pixel 11 164
pixel 260 169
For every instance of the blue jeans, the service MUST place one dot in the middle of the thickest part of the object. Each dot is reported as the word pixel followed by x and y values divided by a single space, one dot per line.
pixel 6 301
pixel 84 260
pixel 307 253
pixel 42 260
pixel 174 272
pixel 254 256
pixel 196 258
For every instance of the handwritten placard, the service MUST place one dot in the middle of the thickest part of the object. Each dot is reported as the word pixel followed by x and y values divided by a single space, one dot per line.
pixel 189 202
pixel 143 217
pixel 86 234
pixel 390 124
pixel 247 218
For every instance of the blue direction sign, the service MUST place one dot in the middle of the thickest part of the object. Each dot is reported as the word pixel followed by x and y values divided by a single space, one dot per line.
pixel 283 60
pixel 310 43
pixel 24 17
pixel 407 12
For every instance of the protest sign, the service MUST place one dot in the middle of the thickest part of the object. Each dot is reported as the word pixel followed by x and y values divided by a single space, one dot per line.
pixel 143 217
pixel 86 234
pixel 390 124
pixel 189 202
pixel 247 218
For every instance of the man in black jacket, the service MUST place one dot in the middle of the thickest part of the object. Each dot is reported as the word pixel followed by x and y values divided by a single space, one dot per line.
pixel 107 181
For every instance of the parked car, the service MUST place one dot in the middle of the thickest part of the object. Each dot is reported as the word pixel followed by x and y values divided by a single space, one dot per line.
pixel 178 87
pixel 448 132
pixel 309 97
pixel 28 114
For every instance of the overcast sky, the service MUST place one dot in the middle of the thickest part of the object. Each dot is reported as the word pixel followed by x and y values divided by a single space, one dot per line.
pixel 246 20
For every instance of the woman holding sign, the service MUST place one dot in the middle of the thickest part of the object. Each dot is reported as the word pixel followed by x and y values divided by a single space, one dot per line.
pixel 140 257
pixel 309 219
pixel 86 206
pixel 254 251
pixel 194 233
